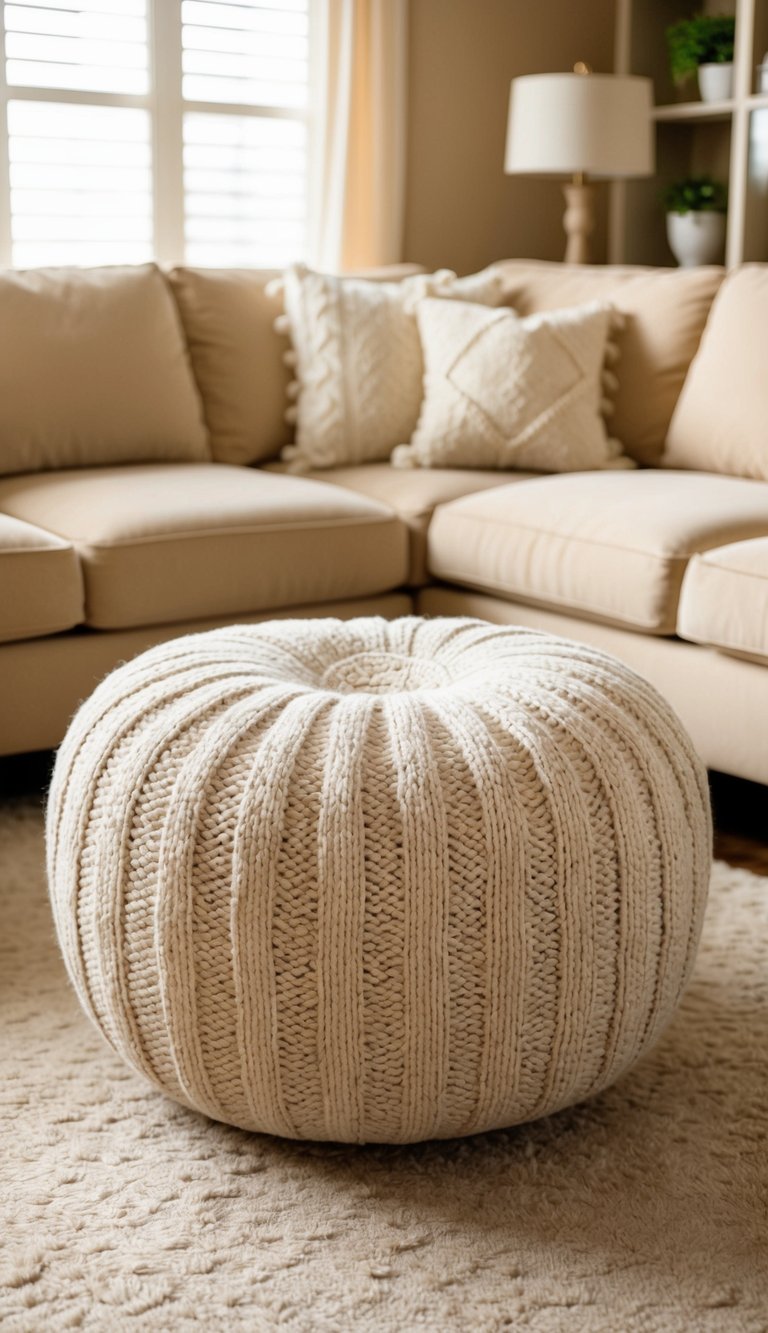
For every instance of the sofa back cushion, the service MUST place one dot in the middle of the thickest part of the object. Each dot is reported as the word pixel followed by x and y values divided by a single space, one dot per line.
pixel 238 358
pixel 93 370
pixel 721 421
pixel 666 310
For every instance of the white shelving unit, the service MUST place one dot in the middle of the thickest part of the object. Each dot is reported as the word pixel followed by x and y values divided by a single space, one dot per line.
pixel 727 140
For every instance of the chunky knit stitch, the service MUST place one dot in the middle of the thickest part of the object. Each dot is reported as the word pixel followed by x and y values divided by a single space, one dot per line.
pixel 375 880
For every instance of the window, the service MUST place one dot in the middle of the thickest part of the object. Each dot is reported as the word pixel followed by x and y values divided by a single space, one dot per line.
pixel 174 129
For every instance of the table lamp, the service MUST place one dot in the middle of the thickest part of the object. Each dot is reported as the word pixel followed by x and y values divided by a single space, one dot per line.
pixel 580 125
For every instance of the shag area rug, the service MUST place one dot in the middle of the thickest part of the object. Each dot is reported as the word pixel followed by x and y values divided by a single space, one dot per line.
pixel 646 1209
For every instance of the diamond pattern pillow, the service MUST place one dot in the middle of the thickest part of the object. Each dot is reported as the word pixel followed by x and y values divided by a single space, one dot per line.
pixel 506 392
pixel 357 355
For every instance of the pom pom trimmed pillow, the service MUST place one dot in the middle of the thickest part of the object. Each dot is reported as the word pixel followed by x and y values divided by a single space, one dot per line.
pixel 374 881
pixel 506 392
pixel 357 359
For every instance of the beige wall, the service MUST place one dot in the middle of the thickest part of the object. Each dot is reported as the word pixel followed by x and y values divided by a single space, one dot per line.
pixel 461 210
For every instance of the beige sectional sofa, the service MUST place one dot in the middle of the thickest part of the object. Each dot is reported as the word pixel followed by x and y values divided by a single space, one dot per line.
pixel 141 497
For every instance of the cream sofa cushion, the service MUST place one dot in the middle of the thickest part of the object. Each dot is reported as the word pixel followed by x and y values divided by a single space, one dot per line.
pixel 42 587
pixel 358 360
pixel 228 318
pixel 721 421
pixel 609 546
pixel 166 543
pixel 724 599
pixel 413 495
pixel 93 369
pixel 666 311
pixel 506 392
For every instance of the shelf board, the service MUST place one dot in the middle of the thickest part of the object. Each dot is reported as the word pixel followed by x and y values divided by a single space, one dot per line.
pixel 691 111
pixel 685 112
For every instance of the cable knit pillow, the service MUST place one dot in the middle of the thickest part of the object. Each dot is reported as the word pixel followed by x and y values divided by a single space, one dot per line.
pixel 357 355
pixel 506 392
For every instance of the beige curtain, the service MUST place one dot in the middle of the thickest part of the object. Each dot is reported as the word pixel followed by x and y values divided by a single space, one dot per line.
pixel 360 153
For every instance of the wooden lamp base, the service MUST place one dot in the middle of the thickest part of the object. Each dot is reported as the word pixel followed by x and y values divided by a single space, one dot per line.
pixel 578 220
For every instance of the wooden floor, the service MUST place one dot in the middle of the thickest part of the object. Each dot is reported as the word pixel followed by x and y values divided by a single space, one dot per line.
pixel 740 808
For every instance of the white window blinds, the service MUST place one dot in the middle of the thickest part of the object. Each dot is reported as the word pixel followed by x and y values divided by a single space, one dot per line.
pixel 245 174
pixel 173 128
pixel 81 184
pixel 94 45
pixel 253 53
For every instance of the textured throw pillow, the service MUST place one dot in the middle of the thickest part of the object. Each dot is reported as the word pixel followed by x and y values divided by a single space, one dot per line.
pixel 228 316
pixel 506 392
pixel 358 363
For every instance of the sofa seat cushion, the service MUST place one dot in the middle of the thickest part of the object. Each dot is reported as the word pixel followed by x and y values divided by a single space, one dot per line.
pixel 724 599
pixel 165 543
pixel 413 494
pixel 609 546
pixel 41 582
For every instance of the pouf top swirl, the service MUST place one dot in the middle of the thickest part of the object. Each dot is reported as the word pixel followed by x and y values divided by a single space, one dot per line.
pixel 378 880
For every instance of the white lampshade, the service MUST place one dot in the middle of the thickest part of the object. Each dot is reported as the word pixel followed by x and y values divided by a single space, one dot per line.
pixel 599 124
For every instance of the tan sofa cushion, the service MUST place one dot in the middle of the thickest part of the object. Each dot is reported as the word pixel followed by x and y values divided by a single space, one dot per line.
pixel 412 494
pixel 724 599
pixel 666 312
pixel 93 369
pixel 237 356
pixel 721 421
pixel 609 546
pixel 42 587
pixel 166 543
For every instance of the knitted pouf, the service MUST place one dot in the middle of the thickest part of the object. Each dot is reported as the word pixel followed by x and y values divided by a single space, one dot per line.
pixel 378 881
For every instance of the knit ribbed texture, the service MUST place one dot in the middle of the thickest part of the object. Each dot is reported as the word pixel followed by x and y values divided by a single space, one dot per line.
pixel 378 881
pixel 356 354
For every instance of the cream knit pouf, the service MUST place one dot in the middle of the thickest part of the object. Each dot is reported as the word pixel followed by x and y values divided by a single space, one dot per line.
pixel 378 881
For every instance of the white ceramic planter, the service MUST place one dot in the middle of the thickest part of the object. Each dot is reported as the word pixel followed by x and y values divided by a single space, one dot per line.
pixel 696 238
pixel 716 82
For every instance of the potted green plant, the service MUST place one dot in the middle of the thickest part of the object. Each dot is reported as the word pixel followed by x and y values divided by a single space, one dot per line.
pixel 703 45
pixel 696 210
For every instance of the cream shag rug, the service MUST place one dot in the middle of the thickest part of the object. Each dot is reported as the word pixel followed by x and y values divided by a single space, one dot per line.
pixel 645 1210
